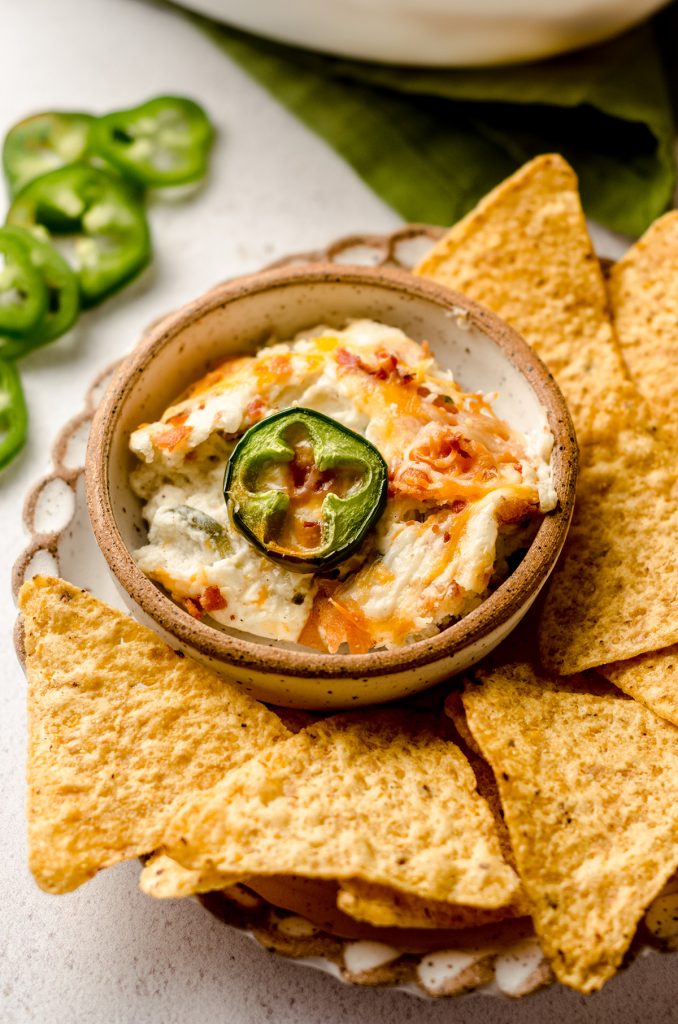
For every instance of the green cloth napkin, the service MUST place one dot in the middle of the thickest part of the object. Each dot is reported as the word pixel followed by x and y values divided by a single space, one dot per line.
pixel 431 142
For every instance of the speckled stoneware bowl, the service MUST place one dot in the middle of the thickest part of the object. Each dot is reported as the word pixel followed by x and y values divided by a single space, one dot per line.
pixel 238 317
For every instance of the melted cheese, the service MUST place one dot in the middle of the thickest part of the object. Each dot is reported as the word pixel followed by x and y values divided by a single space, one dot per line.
pixel 459 476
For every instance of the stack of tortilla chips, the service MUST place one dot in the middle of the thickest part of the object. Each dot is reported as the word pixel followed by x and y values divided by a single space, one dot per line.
pixel 548 789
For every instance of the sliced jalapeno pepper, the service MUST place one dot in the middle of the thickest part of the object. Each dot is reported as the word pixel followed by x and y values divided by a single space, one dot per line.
pixel 13 414
pixel 165 141
pixel 204 525
pixel 42 143
pixel 304 489
pixel 100 216
pixel 23 295
pixel 63 301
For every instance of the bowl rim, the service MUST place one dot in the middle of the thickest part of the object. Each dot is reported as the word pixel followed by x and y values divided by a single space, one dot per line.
pixel 523 584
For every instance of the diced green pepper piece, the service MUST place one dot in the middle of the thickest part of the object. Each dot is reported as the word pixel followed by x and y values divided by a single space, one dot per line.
pixel 23 295
pixel 212 531
pixel 98 215
pixel 259 510
pixel 42 143
pixel 165 141
pixel 63 300
pixel 13 414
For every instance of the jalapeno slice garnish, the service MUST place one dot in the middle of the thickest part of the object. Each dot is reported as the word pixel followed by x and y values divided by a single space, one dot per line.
pixel 23 295
pixel 97 216
pixel 13 414
pixel 165 141
pixel 42 143
pixel 63 301
pixel 304 489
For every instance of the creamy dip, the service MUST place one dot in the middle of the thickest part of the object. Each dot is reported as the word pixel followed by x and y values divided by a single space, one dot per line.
pixel 465 492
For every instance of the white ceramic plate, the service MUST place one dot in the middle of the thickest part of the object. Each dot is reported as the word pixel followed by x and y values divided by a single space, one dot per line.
pixel 503 959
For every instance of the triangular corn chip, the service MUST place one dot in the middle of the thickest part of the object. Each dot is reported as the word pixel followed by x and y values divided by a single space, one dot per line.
pixel 613 593
pixel 651 679
pixel 119 727
pixel 381 796
pixel 643 290
pixel 525 252
pixel 164 879
pixel 384 907
pixel 589 787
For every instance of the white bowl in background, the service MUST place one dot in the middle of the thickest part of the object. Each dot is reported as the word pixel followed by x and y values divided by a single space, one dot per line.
pixel 460 33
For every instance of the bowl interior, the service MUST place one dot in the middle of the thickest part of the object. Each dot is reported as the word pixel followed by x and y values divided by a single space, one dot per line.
pixel 240 316
pixel 458 340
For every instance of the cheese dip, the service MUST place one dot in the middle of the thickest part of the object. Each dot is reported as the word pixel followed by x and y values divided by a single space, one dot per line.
pixel 465 493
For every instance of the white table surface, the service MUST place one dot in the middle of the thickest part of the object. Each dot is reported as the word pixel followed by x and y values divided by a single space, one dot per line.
pixel 106 954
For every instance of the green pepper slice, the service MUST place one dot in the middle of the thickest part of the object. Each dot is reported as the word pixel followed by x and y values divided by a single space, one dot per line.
pixel 23 295
pixel 204 525
pixel 165 141
pixel 342 474
pixel 98 215
pixel 42 143
pixel 13 414
pixel 63 301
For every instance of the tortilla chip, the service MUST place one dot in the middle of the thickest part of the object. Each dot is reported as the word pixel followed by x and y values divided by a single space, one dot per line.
pixel 589 787
pixel 119 727
pixel 643 291
pixel 384 907
pixel 164 879
pixel 651 679
pixel 525 253
pixel 613 593
pixel 380 796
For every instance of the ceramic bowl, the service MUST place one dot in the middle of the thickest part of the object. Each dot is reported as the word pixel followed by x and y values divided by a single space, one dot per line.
pixel 458 33
pixel 239 316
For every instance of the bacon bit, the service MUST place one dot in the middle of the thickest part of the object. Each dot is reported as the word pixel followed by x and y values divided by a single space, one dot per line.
pixel 346 358
pixel 212 600
pixel 446 537
pixel 193 607
pixel 459 505
pixel 385 366
pixel 310 524
pixel 255 410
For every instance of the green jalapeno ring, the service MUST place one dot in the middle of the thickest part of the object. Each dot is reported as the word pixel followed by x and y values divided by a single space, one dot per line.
pixel 162 142
pixel 345 520
pixel 23 295
pixel 13 414
pixel 42 143
pixel 100 213
pixel 63 301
